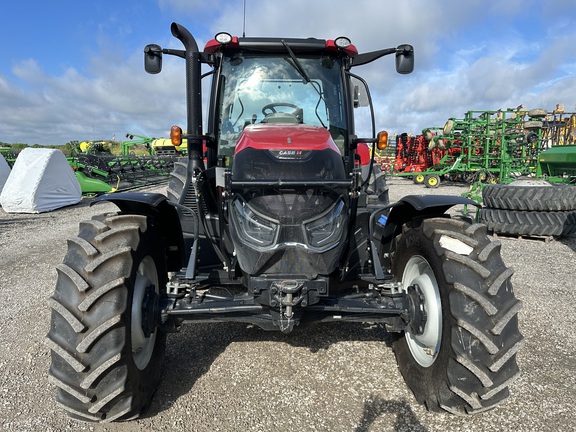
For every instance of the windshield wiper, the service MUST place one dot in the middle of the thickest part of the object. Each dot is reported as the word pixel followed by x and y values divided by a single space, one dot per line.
pixel 297 64
pixel 300 69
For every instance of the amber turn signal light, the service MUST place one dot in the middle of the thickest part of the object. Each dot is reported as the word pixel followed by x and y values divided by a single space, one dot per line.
pixel 382 140
pixel 176 135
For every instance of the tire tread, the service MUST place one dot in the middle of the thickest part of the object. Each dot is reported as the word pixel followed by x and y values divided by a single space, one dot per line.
pixel 478 359
pixel 88 350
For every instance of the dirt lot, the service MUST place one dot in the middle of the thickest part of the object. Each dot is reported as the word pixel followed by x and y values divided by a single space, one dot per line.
pixel 330 377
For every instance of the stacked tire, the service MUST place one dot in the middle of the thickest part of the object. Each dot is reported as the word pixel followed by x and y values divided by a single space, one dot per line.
pixel 531 208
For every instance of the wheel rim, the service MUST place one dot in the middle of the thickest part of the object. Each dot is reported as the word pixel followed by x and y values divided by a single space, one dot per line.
pixel 142 346
pixel 424 347
pixel 432 181
pixel 419 178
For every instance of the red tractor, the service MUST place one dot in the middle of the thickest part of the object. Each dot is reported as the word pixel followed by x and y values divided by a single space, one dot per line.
pixel 274 220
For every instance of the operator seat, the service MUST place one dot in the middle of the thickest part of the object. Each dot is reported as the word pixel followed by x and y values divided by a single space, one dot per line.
pixel 294 117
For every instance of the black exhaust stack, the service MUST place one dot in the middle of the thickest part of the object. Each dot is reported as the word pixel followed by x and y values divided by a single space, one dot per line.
pixel 193 96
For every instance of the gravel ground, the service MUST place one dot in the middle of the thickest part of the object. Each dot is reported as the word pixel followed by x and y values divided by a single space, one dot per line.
pixel 329 377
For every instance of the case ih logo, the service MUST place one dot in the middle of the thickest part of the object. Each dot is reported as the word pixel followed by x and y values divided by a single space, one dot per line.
pixel 290 154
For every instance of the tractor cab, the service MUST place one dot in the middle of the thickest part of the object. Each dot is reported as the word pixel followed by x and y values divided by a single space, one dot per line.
pixel 269 84
pixel 281 95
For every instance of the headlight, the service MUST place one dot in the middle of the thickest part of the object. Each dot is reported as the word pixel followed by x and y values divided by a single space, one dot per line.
pixel 257 229
pixel 325 231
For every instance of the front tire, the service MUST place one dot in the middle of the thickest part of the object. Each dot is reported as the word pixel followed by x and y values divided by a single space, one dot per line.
pixel 106 352
pixel 463 358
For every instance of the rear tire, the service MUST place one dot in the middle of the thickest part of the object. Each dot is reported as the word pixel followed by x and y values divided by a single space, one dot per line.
pixel 175 190
pixel 537 113
pixel 378 188
pixel 464 358
pixel 177 180
pixel 106 354
pixel 533 125
pixel 530 223
pixel 515 196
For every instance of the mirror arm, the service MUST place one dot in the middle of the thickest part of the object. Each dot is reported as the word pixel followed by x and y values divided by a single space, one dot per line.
pixel 356 141
pixel 174 52
pixel 362 59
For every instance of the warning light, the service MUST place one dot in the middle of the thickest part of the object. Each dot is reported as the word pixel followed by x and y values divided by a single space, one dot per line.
pixel 176 135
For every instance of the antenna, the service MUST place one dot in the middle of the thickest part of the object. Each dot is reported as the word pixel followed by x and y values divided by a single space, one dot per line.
pixel 244 23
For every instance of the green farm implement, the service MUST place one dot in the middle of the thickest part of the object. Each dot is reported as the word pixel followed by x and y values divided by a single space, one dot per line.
pixel 491 147
pixel 108 173
pixel 99 171
pixel 558 161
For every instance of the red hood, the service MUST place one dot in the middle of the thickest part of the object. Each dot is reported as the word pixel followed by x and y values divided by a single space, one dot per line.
pixel 285 137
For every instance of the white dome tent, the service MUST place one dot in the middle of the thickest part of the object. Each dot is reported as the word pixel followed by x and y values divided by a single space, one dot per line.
pixel 41 180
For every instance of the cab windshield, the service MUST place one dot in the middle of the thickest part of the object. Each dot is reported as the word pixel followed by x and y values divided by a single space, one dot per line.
pixel 273 89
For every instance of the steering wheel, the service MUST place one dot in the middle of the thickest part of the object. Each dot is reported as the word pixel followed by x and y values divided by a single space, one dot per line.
pixel 271 107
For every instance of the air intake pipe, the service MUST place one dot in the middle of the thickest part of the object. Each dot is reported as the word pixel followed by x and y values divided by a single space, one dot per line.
pixel 193 96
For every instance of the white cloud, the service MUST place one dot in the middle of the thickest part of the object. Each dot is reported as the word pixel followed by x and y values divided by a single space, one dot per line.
pixel 471 55
pixel 72 106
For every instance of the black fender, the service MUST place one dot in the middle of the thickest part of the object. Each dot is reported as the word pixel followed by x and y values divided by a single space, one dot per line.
pixel 386 223
pixel 165 215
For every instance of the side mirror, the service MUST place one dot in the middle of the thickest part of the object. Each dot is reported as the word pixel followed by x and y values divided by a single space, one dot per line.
pixel 360 94
pixel 153 59
pixel 404 59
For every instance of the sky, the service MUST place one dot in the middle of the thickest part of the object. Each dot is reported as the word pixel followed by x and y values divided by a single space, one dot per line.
pixel 73 70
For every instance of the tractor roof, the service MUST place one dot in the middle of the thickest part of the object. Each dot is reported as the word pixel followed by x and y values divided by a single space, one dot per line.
pixel 272 45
